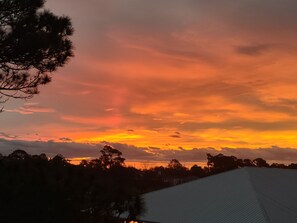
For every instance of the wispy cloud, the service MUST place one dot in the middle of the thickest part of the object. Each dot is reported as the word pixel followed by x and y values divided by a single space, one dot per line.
pixel 31 108
pixel 7 136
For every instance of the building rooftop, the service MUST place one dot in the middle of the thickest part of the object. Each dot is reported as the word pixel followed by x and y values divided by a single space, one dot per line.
pixel 243 195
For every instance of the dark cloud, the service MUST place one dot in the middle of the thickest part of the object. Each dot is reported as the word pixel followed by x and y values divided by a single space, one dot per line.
pixel 252 50
pixel 50 148
pixel 79 150
pixel 175 136
pixel 71 149
pixel 273 153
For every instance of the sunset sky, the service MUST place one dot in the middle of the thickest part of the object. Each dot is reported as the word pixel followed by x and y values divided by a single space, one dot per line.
pixel 168 78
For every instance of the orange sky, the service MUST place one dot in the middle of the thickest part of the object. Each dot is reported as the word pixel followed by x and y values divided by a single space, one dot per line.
pixel 170 74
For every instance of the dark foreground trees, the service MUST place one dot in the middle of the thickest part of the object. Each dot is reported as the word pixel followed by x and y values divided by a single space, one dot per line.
pixel 35 188
pixel 221 163
pixel 38 189
pixel 33 43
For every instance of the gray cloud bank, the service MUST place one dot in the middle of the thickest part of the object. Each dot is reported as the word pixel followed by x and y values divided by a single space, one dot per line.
pixel 77 150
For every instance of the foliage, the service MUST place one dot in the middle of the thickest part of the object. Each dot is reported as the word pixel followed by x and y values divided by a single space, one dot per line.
pixel 35 188
pixel 220 163
pixel 197 171
pixel 175 164
pixel 259 162
pixel 111 158
pixel 33 43
pixel 39 189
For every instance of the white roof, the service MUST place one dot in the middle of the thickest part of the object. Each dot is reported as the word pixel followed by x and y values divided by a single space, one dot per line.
pixel 242 195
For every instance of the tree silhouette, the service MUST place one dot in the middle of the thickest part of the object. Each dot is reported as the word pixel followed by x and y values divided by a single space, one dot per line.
pixel 19 155
pixel 220 163
pixel 197 171
pixel 277 165
pixel 35 188
pixel 248 162
pixel 175 164
pixel 136 207
pixel 111 158
pixel 176 169
pixel 259 162
pixel 59 160
pixel 33 43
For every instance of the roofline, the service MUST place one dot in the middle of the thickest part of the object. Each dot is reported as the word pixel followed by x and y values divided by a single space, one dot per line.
pixel 213 175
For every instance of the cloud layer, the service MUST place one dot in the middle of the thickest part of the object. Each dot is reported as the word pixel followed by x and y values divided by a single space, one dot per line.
pixel 78 151
pixel 220 73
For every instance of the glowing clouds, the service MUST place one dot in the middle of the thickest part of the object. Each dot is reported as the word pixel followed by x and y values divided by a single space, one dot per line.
pixel 221 73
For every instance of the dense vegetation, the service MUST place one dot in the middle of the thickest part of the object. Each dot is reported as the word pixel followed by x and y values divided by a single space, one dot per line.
pixel 36 188
pixel 34 42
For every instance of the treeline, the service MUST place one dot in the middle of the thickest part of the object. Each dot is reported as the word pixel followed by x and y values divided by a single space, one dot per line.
pixel 220 163
pixel 36 188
